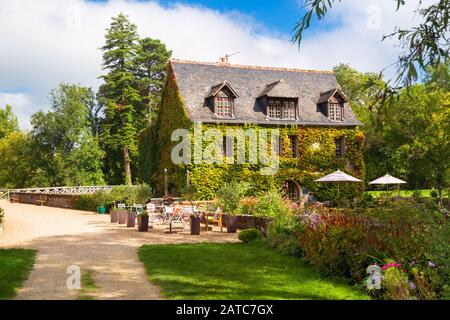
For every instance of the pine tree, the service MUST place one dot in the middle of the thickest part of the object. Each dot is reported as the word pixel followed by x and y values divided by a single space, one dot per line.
pixel 150 70
pixel 120 96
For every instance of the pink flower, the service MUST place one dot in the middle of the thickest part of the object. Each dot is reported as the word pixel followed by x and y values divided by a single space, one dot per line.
pixel 391 265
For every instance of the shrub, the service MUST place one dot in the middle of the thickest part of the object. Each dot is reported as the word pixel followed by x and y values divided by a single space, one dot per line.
pixel 248 205
pixel 230 195
pixel 271 204
pixel 434 193
pixel 250 235
pixel 345 242
pixel 126 194
pixel 86 202
pixel 396 285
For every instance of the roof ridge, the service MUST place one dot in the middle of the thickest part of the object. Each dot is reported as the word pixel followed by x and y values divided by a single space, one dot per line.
pixel 242 66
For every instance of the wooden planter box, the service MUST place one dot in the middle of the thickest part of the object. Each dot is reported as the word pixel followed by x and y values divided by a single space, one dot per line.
pixel 123 216
pixel 131 219
pixel 114 214
pixel 142 223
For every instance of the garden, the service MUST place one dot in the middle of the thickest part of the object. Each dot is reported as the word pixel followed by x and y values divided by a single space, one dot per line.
pixel 405 240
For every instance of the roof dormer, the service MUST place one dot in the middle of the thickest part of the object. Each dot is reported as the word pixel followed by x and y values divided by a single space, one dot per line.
pixel 280 100
pixel 332 104
pixel 221 99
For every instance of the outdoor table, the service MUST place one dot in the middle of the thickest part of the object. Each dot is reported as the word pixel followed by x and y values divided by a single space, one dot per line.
pixel 206 215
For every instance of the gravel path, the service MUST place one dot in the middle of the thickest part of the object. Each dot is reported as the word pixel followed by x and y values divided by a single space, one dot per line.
pixel 68 237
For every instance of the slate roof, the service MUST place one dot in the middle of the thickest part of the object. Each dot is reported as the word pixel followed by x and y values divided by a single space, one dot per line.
pixel 326 96
pixel 279 89
pixel 197 79
pixel 215 89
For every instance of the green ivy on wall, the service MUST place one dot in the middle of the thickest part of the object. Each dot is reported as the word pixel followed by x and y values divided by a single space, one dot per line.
pixel 316 155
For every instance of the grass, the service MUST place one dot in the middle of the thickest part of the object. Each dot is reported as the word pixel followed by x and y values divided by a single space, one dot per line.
pixel 236 271
pixel 15 266
pixel 403 193
pixel 88 286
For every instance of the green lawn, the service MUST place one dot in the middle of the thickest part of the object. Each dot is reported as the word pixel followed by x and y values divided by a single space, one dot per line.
pixel 404 193
pixel 15 265
pixel 236 271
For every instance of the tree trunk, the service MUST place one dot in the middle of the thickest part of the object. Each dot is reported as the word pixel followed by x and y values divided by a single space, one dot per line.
pixel 126 158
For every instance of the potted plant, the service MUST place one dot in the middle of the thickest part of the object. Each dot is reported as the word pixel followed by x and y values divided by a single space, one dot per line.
pixel 114 214
pixel 231 222
pixel 195 224
pixel 131 219
pixel 123 215
pixel 142 221
pixel 230 195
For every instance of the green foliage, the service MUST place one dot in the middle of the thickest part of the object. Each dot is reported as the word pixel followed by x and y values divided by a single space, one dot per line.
pixel 408 135
pixel 120 96
pixel 272 204
pixel 230 195
pixel 130 93
pixel 15 267
pixel 345 242
pixel 129 195
pixel 425 44
pixel 64 151
pixel 17 168
pixel 250 235
pixel 8 121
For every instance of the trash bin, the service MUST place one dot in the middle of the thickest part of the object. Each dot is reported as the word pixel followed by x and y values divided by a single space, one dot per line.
pixel 195 225
pixel 101 210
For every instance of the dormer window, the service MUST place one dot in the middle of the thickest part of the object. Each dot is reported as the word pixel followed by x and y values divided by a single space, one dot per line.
pixel 221 100
pixel 281 101
pixel 282 109
pixel 332 104
pixel 335 111
pixel 224 107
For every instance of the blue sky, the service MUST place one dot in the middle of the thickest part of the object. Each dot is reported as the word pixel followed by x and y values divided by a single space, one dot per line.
pixel 277 16
pixel 54 41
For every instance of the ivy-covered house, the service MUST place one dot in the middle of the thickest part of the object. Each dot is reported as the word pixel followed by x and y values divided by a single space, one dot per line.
pixel 318 132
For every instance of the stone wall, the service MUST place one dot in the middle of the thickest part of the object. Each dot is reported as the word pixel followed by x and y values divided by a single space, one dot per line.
pixel 52 200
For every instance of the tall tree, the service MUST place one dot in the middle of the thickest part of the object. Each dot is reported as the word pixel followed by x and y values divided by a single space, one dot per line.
pixel 8 121
pixel 150 70
pixel 119 95
pixel 65 150
pixel 409 135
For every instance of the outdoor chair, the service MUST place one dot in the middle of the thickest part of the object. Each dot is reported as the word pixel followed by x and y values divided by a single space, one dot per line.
pixel 174 214
pixel 218 218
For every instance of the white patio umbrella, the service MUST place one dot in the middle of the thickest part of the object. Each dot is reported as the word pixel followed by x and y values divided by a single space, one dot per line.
pixel 387 180
pixel 338 177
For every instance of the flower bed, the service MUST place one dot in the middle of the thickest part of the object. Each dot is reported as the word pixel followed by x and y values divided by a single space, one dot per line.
pixel 407 241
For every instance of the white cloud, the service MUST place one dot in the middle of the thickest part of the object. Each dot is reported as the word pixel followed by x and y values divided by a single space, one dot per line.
pixel 49 41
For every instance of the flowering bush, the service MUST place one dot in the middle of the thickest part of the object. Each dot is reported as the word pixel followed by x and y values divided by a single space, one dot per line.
pixel 408 241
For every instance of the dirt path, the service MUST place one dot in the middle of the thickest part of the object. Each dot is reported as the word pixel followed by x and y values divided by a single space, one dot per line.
pixel 68 237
